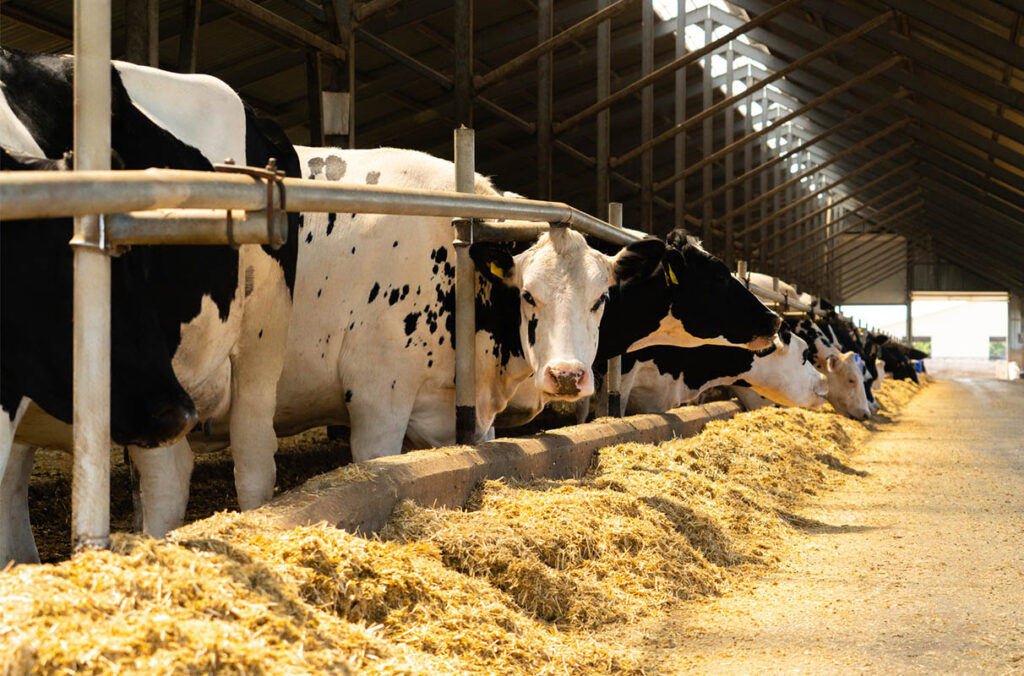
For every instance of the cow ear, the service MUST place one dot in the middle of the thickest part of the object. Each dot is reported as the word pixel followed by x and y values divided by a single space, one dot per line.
pixel 879 339
pixel 493 261
pixel 638 259
pixel 832 363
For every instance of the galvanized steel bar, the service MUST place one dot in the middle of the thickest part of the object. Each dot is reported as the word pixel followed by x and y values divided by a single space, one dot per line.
pixel 545 23
pixel 281 26
pixel 646 116
pixel 707 135
pixel 603 140
pixel 90 484
pixel 463 56
pixel 465 296
pixel 615 363
pixel 679 96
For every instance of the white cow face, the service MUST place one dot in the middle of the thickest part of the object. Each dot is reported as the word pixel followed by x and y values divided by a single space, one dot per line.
pixel 786 373
pixel 563 285
pixel 846 386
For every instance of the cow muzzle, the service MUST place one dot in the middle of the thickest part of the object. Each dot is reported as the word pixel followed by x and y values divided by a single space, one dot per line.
pixel 569 380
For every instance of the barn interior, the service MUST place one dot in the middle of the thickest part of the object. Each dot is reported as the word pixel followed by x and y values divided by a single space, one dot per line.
pixel 863 150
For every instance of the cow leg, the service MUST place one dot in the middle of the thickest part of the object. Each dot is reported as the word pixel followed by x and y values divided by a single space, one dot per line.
pixel 378 430
pixel 256 365
pixel 164 475
pixel 16 541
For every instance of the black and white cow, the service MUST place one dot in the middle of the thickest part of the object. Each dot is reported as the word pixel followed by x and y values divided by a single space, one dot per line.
pixel 678 295
pixel 225 340
pixel 850 338
pixel 846 391
pixel 655 379
pixel 370 344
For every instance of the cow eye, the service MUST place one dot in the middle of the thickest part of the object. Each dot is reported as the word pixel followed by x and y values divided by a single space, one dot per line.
pixel 529 299
pixel 600 301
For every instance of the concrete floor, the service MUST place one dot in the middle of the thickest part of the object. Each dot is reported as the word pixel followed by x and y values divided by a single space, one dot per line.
pixel 919 570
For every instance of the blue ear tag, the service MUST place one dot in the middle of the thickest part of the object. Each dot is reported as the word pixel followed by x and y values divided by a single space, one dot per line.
pixel 856 358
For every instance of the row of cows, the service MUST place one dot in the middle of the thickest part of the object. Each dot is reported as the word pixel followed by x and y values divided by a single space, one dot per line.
pixel 351 322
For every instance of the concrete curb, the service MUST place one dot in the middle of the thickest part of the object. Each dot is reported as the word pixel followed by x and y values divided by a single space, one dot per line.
pixel 446 477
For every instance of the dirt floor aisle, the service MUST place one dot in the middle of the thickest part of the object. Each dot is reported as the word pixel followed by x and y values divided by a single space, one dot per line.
pixel 917 568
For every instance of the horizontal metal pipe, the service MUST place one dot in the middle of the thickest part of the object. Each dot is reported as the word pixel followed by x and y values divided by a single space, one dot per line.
pixel 190 226
pixel 32 195
pixel 282 26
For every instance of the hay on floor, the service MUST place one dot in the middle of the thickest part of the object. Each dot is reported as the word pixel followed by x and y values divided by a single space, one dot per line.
pixel 518 583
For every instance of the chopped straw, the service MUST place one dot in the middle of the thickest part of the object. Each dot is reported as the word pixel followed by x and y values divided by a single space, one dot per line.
pixel 525 581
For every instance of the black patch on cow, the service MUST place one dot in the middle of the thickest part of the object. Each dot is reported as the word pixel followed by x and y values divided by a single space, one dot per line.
pixel 353 250
pixel 316 166
pixel 318 292
pixel 394 244
pixel 331 217
pixel 309 237
pixel 405 291
pixel 372 177
pixel 353 217
pixel 531 329
pixel 348 396
pixel 259 335
pixel 697 365
pixel 411 320
pixel 334 168
pixel 393 296
pixel 373 292
pixel 741 383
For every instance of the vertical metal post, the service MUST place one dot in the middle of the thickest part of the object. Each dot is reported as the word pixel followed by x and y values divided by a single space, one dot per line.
pixel 90 485
pixel 465 296
pixel 142 25
pixel 603 141
pixel 748 164
pixel 680 117
pixel 707 131
pixel 615 363
pixel 647 117
pixel 464 62
pixel 188 42
pixel 766 155
pixel 350 63
pixel 730 121
pixel 545 21
pixel 910 293
pixel 314 101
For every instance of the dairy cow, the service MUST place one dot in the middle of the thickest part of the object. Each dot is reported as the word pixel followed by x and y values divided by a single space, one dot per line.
pixel 655 379
pixel 225 340
pixel 846 391
pixel 678 295
pixel 371 339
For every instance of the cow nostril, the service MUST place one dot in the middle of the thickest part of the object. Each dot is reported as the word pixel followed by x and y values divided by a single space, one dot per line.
pixel 174 419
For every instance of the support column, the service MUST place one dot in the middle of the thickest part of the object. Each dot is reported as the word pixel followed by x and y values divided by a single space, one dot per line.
pixel 464 62
pixel 707 138
pixel 615 363
pixel 604 68
pixel 730 121
pixel 142 32
pixel 545 21
pixel 1015 329
pixel 314 98
pixel 680 117
pixel 647 117
pixel 465 296
pixel 910 293
pixel 188 43
pixel 90 484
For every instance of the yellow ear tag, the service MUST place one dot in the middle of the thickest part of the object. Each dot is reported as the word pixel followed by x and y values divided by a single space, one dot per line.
pixel 496 271
pixel 672 276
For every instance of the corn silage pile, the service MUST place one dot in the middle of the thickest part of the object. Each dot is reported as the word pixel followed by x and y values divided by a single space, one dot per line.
pixel 520 582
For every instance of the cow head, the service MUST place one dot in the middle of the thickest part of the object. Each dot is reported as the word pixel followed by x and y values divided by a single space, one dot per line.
pixel 785 373
pixel 846 390
pixel 686 299
pixel 563 286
